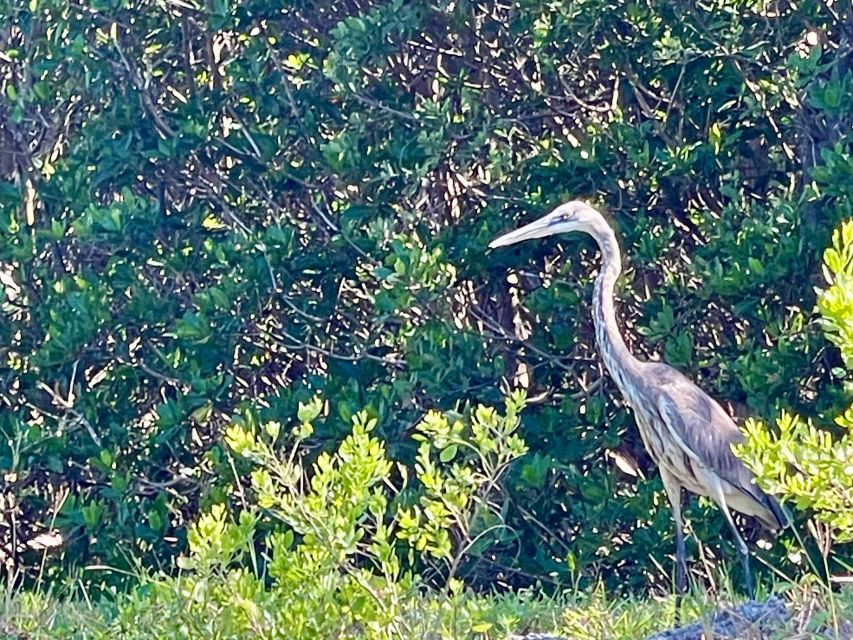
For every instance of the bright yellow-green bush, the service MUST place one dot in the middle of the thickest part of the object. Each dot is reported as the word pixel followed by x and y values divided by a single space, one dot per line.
pixel 812 467
pixel 330 561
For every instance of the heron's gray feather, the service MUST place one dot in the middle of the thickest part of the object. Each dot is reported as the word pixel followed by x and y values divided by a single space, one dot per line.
pixel 706 433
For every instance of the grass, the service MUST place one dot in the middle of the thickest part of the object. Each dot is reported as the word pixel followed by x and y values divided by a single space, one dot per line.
pixel 176 608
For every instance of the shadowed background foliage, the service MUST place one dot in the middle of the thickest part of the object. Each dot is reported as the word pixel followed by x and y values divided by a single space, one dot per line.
pixel 224 208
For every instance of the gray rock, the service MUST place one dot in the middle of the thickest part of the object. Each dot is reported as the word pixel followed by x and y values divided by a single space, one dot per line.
pixel 752 619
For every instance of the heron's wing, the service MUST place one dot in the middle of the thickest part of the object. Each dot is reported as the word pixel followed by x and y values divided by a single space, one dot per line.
pixel 705 432
pixel 701 428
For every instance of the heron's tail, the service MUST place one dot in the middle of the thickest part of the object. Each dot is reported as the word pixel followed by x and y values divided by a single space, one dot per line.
pixel 780 516
pixel 750 499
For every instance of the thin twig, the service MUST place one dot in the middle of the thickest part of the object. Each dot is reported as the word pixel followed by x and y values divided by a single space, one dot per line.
pixel 62 403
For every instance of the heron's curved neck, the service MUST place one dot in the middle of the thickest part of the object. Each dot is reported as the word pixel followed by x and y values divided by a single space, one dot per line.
pixel 614 352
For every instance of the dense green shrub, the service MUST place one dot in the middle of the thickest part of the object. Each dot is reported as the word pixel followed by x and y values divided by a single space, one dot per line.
pixel 223 209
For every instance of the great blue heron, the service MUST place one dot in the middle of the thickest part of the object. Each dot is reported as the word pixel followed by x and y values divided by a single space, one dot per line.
pixel 685 431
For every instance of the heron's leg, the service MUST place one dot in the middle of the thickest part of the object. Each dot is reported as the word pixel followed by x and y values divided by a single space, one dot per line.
pixel 673 492
pixel 742 549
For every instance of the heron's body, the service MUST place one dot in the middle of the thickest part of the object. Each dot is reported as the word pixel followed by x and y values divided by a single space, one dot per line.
pixel 686 432
pixel 703 462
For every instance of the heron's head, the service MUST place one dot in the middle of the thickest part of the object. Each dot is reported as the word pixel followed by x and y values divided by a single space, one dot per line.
pixel 571 216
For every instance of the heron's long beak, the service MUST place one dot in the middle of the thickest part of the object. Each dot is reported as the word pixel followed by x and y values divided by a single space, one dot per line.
pixel 536 229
